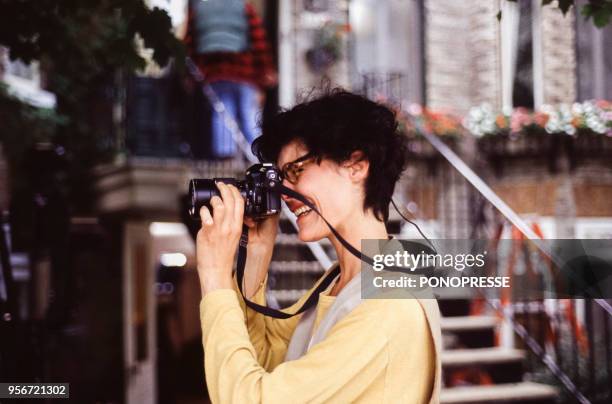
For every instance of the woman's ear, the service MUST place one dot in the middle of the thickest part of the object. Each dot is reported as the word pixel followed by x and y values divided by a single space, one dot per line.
pixel 357 166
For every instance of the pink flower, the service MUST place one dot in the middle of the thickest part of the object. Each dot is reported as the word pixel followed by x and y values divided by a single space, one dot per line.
pixel 520 117
pixel 415 109
pixel 604 104
pixel 540 118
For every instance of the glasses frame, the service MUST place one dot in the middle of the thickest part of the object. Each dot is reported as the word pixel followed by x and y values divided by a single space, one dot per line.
pixel 291 171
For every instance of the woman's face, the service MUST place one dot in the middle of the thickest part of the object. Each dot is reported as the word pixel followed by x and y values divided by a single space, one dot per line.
pixel 330 187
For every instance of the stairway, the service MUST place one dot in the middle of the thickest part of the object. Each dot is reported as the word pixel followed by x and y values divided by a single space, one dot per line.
pixel 469 351
pixel 470 354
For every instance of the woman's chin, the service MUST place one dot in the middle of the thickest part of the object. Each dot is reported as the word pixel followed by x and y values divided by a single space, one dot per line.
pixel 306 237
pixel 310 233
pixel 311 228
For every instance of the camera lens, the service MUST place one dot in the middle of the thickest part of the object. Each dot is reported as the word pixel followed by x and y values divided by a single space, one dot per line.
pixel 260 192
pixel 200 192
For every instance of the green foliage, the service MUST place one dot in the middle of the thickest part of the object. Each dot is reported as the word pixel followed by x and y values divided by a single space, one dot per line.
pixel 82 41
pixel 599 10
pixel 81 46
pixel 102 29
pixel 23 126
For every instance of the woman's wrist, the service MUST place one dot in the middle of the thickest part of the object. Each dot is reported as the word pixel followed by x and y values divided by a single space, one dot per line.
pixel 256 269
pixel 251 292
pixel 212 283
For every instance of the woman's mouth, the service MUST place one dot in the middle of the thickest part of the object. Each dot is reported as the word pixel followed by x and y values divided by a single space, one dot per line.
pixel 302 211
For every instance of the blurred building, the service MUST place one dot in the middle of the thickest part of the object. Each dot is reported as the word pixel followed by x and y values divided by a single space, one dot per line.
pixel 451 56
pixel 442 54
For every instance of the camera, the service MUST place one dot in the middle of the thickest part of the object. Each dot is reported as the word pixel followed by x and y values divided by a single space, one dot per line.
pixel 261 190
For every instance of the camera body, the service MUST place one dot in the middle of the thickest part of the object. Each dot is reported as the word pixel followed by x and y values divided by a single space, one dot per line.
pixel 260 190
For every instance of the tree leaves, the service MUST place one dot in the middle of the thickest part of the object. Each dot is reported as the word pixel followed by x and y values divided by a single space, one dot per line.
pixel 601 11
pixel 81 44
pixel 86 37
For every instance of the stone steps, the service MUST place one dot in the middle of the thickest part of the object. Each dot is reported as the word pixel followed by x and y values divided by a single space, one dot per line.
pixel 481 356
pixel 501 365
pixel 523 392
pixel 468 323
pixel 468 331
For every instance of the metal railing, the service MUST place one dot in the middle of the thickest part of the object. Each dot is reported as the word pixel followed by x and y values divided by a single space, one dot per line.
pixel 571 355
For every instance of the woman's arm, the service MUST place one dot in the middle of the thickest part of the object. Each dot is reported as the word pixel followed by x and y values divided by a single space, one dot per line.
pixel 349 361
pixel 270 336
pixel 216 245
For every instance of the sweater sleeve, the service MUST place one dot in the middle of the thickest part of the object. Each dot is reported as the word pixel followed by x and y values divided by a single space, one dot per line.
pixel 340 368
pixel 270 336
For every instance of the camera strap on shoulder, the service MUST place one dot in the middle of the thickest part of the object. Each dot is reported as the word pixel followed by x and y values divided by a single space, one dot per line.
pixel 268 311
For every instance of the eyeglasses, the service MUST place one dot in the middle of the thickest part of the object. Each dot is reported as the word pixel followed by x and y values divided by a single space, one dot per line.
pixel 292 170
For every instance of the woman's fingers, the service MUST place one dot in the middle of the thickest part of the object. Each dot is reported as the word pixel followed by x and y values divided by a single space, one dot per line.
pixel 233 202
pixel 238 205
pixel 222 206
pixel 207 219
pixel 229 207
pixel 249 222
pixel 218 209
pixel 226 195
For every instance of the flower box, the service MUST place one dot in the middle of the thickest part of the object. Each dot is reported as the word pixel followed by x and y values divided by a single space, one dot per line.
pixel 580 132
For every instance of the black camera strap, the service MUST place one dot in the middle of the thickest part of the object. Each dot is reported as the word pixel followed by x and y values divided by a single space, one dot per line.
pixel 268 311
pixel 314 296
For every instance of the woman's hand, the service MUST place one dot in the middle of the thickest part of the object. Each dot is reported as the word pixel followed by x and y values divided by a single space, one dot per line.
pixel 218 238
pixel 262 235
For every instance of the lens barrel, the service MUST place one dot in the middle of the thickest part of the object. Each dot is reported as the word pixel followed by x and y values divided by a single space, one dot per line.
pixel 202 190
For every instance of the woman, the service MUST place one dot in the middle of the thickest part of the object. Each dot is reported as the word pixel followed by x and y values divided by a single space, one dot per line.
pixel 344 154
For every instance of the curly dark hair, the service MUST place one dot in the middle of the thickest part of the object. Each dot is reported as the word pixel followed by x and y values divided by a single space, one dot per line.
pixel 334 126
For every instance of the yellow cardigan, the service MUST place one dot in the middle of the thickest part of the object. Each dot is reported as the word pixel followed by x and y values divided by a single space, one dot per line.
pixel 382 351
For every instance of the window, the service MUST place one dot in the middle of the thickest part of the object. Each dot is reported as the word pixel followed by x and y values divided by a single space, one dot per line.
pixel 386 48
pixel 521 51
